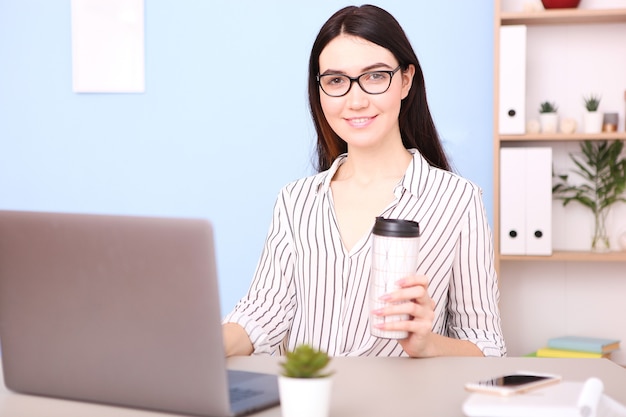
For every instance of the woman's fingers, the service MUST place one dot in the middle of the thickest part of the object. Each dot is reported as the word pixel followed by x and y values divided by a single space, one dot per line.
pixel 412 300
pixel 412 288
pixel 413 308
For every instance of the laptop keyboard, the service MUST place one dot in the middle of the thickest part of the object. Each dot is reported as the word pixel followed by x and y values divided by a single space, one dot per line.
pixel 240 394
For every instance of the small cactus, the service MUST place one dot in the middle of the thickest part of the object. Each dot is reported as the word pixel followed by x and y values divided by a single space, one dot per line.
pixel 592 102
pixel 305 362
pixel 548 107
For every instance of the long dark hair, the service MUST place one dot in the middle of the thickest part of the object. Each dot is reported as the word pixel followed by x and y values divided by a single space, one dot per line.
pixel 416 124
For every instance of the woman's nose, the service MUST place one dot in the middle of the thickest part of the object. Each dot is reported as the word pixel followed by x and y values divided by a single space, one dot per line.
pixel 356 97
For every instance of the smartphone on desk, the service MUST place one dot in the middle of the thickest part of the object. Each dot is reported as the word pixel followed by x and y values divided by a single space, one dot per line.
pixel 514 383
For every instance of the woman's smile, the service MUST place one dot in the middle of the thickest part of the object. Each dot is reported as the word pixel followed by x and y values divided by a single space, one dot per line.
pixel 360 122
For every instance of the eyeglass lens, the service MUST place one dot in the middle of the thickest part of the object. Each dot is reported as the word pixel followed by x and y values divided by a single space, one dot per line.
pixel 374 82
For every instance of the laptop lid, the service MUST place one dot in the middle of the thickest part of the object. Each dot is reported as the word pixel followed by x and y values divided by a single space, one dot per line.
pixel 119 310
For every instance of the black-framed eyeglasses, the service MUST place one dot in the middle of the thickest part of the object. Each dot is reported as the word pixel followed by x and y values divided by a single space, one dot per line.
pixel 372 82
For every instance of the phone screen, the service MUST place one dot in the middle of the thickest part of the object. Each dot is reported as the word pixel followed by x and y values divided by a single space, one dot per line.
pixel 512 383
pixel 513 380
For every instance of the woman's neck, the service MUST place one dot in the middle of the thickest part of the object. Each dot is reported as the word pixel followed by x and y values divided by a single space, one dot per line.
pixel 370 165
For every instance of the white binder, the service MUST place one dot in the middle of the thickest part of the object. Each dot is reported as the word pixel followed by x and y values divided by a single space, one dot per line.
pixel 512 108
pixel 526 201
pixel 538 201
pixel 512 201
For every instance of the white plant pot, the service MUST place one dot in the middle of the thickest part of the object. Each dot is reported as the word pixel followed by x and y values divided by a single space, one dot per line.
pixel 592 122
pixel 549 122
pixel 305 397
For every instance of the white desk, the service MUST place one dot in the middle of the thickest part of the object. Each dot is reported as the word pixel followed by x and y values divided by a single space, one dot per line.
pixel 367 386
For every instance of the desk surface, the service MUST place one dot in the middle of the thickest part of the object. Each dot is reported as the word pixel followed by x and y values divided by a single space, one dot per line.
pixel 368 386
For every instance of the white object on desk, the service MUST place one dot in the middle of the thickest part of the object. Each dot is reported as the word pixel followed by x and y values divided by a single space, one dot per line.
pixel 566 399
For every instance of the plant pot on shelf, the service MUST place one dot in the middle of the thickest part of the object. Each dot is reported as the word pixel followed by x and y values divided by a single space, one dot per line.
pixel 592 122
pixel 549 122
pixel 560 4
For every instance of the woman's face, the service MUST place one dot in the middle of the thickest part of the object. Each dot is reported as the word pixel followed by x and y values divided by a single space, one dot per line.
pixel 362 119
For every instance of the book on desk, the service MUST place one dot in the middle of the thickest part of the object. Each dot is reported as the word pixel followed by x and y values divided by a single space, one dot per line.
pixel 548 352
pixel 578 347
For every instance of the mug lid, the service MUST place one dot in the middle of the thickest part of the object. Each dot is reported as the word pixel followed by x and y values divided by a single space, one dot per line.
pixel 396 227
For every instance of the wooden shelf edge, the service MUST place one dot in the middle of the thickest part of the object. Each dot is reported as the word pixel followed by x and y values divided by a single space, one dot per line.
pixel 572 256
pixel 563 137
pixel 564 16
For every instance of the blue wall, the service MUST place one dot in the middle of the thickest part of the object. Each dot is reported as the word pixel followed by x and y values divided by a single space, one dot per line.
pixel 214 135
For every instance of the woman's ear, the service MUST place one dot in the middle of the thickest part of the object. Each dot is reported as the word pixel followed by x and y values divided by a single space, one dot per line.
pixel 407 80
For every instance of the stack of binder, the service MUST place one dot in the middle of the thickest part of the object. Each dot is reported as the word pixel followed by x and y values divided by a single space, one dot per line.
pixel 526 201
pixel 525 172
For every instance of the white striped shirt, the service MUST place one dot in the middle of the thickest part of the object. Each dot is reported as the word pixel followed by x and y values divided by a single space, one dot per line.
pixel 308 289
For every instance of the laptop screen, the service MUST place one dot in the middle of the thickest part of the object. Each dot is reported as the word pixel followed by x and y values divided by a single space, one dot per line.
pixel 112 309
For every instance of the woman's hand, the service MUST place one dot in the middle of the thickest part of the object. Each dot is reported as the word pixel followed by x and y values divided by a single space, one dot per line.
pixel 412 298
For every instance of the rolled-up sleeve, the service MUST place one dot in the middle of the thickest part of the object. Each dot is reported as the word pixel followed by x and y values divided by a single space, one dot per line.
pixel 266 311
pixel 473 310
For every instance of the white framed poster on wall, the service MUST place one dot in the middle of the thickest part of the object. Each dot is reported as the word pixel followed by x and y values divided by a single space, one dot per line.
pixel 108 46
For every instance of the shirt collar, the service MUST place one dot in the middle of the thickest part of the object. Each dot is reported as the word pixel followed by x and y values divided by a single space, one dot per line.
pixel 415 174
pixel 323 180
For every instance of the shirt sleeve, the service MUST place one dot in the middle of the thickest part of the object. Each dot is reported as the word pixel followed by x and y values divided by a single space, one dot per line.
pixel 266 311
pixel 473 311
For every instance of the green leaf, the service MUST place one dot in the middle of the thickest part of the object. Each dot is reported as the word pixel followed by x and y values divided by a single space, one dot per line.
pixel 604 174
pixel 305 362
pixel 548 107
pixel 592 102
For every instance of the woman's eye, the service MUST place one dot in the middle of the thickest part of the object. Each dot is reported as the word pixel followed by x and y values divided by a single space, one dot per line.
pixel 376 76
pixel 334 81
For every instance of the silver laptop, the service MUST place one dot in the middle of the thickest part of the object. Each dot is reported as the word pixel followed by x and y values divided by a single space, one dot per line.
pixel 118 310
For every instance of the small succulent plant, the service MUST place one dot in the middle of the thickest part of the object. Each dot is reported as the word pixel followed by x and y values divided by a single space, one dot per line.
pixel 548 107
pixel 592 102
pixel 305 362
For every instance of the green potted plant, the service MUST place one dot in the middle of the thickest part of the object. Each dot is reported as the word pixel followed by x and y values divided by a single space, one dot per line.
pixel 548 117
pixel 305 383
pixel 603 172
pixel 592 120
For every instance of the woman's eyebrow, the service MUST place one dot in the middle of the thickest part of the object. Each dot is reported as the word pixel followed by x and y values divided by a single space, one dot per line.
pixel 368 68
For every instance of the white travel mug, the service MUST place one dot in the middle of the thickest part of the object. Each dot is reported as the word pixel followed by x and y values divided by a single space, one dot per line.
pixel 395 250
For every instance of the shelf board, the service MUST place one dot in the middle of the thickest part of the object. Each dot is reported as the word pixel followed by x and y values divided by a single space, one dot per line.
pixel 563 137
pixel 564 16
pixel 573 256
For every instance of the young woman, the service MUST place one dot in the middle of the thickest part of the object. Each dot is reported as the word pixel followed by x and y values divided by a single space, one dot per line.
pixel 379 154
